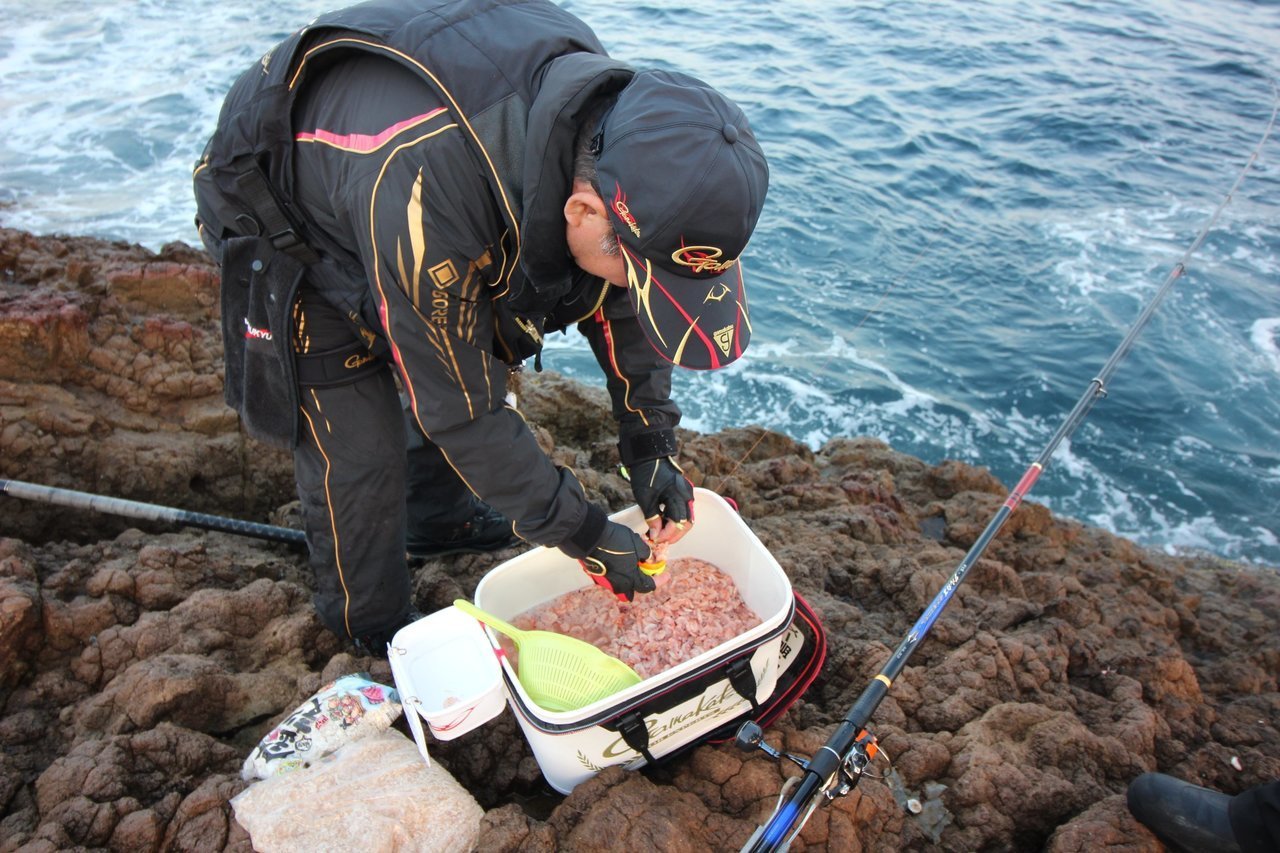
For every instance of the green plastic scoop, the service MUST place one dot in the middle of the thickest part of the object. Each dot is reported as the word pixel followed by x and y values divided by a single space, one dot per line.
pixel 560 673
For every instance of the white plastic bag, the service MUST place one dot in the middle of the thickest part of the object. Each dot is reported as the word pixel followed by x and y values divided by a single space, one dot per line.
pixel 345 710
pixel 374 795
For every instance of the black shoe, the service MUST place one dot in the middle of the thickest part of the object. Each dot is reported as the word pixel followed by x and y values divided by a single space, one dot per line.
pixel 488 530
pixel 1185 817
pixel 375 643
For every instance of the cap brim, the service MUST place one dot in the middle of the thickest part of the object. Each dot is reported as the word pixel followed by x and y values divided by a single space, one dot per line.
pixel 700 323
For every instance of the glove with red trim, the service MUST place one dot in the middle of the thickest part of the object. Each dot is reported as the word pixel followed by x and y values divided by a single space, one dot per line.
pixel 614 563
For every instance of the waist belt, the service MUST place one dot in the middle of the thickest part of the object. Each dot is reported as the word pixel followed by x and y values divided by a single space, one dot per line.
pixel 336 367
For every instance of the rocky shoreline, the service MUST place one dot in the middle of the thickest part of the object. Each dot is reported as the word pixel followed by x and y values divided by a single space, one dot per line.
pixel 140 663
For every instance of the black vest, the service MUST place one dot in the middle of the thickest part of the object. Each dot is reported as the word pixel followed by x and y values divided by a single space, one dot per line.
pixel 517 75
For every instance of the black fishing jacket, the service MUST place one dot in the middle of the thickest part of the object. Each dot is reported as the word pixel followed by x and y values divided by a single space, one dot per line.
pixel 432 148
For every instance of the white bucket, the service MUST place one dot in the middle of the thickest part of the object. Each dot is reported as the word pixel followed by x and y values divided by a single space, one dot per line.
pixel 569 746
pixel 449 655
pixel 447 674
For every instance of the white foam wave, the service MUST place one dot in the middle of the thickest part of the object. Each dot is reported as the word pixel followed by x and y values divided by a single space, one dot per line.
pixel 1265 336
pixel 1206 534
pixel 1257 255
pixel 1118 248
pixel 107 107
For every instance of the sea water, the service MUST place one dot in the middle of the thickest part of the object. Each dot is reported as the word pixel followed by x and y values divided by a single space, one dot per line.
pixel 970 204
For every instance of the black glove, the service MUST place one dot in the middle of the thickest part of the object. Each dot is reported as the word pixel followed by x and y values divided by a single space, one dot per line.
pixel 661 488
pixel 614 563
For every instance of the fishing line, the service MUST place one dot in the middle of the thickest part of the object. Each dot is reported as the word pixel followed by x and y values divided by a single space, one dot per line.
pixel 875 306
pixel 1178 270
pixel 870 312
pixel 1180 267
pixel 836 768
pixel 724 478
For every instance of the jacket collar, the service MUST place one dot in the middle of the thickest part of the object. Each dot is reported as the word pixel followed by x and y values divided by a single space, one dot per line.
pixel 570 84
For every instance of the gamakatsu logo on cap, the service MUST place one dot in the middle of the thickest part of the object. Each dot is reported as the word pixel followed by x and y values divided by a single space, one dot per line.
pixel 701 259
pixel 625 215
pixel 624 212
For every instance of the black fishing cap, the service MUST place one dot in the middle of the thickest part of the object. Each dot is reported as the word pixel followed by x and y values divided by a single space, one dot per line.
pixel 684 180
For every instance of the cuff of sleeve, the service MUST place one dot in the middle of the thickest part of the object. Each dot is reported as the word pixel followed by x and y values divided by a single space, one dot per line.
pixel 648 445
pixel 588 535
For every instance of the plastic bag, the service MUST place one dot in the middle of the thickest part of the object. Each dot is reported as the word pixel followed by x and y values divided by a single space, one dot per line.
pixel 345 710
pixel 374 795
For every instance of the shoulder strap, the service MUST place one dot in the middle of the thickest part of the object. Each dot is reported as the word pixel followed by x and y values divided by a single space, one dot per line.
pixel 277 225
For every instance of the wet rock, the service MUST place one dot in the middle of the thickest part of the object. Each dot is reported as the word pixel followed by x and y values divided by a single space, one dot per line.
pixel 113 385
pixel 140 663
pixel 166 784
pixel 21 628
pixel 1106 825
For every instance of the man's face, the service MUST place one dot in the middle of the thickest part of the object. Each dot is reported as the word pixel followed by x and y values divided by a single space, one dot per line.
pixel 591 239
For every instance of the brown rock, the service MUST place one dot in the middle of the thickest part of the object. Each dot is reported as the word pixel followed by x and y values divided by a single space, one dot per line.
pixel 87 797
pixel 21 628
pixel 1106 825
pixel 113 386
pixel 138 667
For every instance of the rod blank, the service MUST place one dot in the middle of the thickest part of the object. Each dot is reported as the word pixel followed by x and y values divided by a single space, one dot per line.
pixel 150 512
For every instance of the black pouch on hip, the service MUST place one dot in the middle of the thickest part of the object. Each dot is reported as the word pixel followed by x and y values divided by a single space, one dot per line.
pixel 259 285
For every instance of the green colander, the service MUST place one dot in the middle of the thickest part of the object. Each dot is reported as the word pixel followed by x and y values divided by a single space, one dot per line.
pixel 559 673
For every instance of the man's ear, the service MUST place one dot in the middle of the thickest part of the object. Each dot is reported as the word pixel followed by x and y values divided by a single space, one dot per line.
pixel 582 204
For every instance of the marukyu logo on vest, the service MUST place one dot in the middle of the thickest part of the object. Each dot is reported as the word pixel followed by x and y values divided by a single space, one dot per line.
pixel 252 332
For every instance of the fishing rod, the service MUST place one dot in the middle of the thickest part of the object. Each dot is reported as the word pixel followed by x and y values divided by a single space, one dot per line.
pixel 834 771
pixel 151 512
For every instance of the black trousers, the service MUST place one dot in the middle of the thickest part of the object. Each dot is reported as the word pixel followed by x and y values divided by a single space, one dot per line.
pixel 366 476
pixel 1255 818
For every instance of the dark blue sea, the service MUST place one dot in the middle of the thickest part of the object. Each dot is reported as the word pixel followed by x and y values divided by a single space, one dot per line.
pixel 970 205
